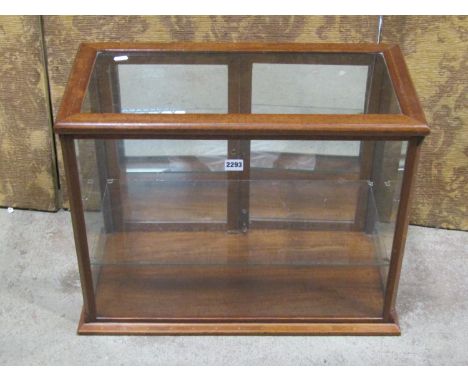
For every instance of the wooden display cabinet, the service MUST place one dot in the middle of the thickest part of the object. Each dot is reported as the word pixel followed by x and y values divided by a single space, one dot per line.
pixel 240 188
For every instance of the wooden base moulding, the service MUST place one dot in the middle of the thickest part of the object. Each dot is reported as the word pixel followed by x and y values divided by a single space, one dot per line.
pixel 243 328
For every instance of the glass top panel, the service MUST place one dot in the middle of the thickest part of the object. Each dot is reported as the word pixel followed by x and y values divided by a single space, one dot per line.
pixel 223 82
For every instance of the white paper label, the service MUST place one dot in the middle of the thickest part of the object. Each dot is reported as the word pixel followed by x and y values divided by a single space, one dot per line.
pixel 234 165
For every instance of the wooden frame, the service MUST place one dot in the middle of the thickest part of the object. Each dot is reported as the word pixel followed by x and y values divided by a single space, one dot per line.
pixel 239 128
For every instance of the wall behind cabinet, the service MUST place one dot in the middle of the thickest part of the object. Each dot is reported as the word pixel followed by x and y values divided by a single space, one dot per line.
pixel 27 163
pixel 436 49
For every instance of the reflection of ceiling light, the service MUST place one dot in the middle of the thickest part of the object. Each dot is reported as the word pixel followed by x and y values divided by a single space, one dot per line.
pixel 120 58
pixel 140 170
pixel 132 110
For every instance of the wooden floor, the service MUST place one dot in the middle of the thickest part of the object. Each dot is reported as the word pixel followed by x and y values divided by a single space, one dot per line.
pixel 261 275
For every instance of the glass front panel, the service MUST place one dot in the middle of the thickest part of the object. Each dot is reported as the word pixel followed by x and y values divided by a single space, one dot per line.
pixel 306 233
pixel 276 83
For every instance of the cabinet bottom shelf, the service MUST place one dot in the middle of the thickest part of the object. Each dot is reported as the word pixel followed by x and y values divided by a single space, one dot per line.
pixel 241 293
pixel 240 296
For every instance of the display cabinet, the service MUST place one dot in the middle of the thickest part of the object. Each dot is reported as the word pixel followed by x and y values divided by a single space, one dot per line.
pixel 239 188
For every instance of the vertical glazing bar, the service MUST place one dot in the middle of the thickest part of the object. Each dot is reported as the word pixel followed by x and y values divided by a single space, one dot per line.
pixel 367 148
pixel 95 106
pixel 366 156
pixel 109 102
pixel 79 227
pixel 240 74
pixel 401 227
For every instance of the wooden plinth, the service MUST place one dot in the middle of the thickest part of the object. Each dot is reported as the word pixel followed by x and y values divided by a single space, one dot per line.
pixel 243 328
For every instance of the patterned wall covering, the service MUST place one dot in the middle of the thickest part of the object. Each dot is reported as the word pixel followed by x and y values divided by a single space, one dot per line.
pixel 27 172
pixel 64 34
pixel 436 51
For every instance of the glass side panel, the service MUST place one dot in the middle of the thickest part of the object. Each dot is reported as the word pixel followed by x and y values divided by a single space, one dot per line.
pixel 167 243
pixel 276 83
pixel 389 164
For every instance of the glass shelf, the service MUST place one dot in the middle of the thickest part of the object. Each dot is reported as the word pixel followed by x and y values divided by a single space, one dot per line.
pixel 292 223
